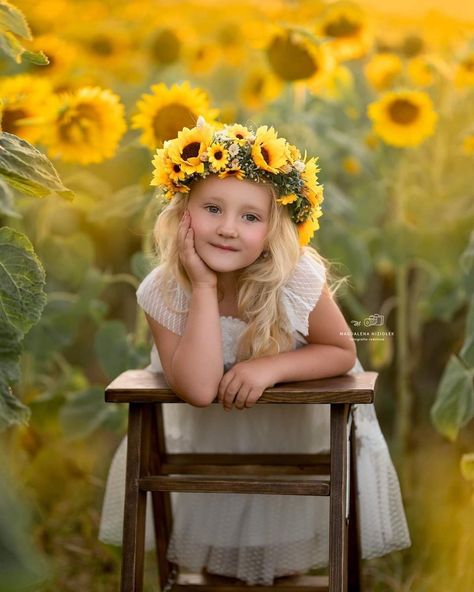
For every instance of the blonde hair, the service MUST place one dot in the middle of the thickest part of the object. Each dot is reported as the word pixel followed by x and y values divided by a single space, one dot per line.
pixel 259 286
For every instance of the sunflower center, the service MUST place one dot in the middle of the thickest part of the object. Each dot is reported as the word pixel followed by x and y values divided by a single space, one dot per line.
pixel 341 27
pixel 257 86
pixel 239 136
pixel 77 124
pixel 170 119
pixel 191 150
pixel 102 46
pixel 166 47
pixel 176 168
pixel 10 117
pixel 265 154
pixel 403 111
pixel 290 60
pixel 218 155
pixel 468 64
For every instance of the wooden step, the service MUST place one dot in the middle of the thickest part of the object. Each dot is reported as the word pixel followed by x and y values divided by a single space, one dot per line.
pixel 229 485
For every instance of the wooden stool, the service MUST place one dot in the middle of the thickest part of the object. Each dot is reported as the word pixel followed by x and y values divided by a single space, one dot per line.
pixel 149 467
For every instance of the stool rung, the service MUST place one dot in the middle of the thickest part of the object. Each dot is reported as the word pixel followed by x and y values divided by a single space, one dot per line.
pixel 245 464
pixel 200 582
pixel 220 485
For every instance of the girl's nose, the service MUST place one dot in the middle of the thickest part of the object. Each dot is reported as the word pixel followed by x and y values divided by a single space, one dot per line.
pixel 227 228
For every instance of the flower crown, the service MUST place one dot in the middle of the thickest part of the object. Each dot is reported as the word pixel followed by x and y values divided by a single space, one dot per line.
pixel 236 151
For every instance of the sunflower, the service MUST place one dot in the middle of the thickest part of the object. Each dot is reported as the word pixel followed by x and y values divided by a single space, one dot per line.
pixel 235 171
pixel 87 127
pixel 287 199
pixel 269 152
pixel 201 58
pixel 259 87
pixel 190 148
pixel 403 118
pixel 383 69
pixel 25 106
pixel 351 165
pixel 167 110
pixel 61 54
pixel 312 190
pixel 464 71
pixel 307 229
pixel 346 27
pixel 423 69
pixel 218 157
pixel 294 56
pixel 239 133
pixel 165 47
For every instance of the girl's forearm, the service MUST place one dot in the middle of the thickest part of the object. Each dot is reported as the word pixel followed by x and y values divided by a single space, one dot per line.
pixel 197 365
pixel 313 361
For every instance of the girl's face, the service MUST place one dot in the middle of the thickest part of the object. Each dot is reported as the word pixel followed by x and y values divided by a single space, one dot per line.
pixel 229 213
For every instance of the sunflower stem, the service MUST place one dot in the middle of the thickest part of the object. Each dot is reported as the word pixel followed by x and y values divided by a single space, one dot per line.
pixel 404 398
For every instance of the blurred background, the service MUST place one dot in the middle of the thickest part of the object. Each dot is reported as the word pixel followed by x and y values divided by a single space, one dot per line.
pixel 381 92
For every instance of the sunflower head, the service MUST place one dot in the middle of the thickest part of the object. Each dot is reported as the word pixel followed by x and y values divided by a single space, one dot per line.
pixel 403 118
pixel 237 151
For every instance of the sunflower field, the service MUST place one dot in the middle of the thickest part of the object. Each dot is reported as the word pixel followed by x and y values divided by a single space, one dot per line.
pixel 381 93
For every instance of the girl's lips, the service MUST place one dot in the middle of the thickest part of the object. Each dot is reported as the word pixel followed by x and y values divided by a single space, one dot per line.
pixel 224 248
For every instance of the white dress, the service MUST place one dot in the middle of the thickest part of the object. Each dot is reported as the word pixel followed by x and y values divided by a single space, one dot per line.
pixel 257 537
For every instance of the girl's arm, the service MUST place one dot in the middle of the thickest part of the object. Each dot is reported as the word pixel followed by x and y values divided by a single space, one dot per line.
pixel 193 362
pixel 331 350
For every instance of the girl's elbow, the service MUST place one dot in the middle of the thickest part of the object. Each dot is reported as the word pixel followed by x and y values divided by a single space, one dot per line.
pixel 350 357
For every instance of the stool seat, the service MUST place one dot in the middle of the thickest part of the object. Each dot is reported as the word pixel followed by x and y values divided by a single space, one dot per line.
pixel 151 468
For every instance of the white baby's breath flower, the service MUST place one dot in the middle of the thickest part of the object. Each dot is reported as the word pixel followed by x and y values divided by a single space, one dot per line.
pixel 201 122
pixel 235 163
pixel 299 165
pixel 287 168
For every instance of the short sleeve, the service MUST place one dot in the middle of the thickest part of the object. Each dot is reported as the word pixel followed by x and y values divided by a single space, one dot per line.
pixel 151 298
pixel 301 294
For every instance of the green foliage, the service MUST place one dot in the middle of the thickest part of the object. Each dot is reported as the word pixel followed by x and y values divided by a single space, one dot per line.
pixel 454 404
pixel 20 564
pixel 26 169
pixel 13 22
pixel 86 410
pixel 22 298
pixel 114 349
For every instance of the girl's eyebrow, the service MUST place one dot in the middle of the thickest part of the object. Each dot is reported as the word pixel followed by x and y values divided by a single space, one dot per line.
pixel 245 206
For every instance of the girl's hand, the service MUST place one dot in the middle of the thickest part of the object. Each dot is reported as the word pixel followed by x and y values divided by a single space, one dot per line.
pixel 245 382
pixel 199 273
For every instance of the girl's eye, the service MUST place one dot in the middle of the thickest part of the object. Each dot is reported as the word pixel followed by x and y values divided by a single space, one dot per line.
pixel 255 219
pixel 213 209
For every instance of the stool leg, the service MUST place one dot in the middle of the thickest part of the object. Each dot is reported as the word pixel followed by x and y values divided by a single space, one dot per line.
pixel 162 515
pixel 354 559
pixel 337 504
pixel 133 547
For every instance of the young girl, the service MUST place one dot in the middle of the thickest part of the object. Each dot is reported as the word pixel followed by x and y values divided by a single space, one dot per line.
pixel 238 304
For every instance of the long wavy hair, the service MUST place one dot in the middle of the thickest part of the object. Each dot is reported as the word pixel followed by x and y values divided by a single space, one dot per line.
pixel 259 286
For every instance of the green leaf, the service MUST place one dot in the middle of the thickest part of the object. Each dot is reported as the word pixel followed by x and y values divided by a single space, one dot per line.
pixel 85 411
pixel 22 300
pixel 26 169
pixel 123 204
pixel 140 264
pixel 467 466
pixel 115 350
pixel 467 351
pixel 6 201
pixel 467 265
pixel 12 19
pixel 454 404
pixel 68 259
